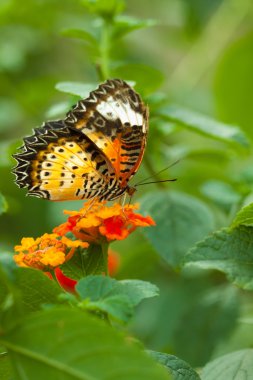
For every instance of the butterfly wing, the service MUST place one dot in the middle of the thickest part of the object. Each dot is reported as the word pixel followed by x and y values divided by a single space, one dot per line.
pixel 116 120
pixel 60 164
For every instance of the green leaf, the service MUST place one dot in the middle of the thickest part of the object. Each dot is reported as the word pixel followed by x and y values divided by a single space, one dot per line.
pixel 58 110
pixel 126 24
pixel 3 204
pixel 236 365
pixel 82 34
pixel 118 307
pixel 244 217
pixel 5 367
pixel 222 193
pixel 178 368
pixel 115 297
pixel 233 82
pixel 70 344
pixel 173 214
pixel 104 8
pixel 36 289
pixel 84 263
pixel 215 316
pixel 147 78
pixel 76 88
pixel 204 125
pixel 23 290
pixel 97 287
pixel 137 290
pixel 229 251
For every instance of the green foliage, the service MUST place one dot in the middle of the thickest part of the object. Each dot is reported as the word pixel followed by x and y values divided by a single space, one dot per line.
pixel 117 298
pixel 229 251
pixel 173 212
pixel 79 89
pixel 147 79
pixel 33 356
pixel 84 263
pixel 221 193
pixel 6 372
pixel 232 96
pixel 104 8
pixel 3 204
pixel 203 313
pixel 244 217
pixel 236 365
pixel 204 125
pixel 179 369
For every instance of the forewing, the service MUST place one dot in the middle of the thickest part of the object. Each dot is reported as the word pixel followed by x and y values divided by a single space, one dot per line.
pixel 116 120
pixel 57 163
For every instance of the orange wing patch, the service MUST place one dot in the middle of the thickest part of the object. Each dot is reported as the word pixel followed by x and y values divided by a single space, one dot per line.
pixel 116 120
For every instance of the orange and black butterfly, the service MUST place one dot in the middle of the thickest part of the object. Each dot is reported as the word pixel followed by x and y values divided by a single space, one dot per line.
pixel 92 153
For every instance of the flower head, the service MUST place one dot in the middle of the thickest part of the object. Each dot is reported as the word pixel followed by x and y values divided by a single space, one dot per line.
pixel 99 222
pixel 46 252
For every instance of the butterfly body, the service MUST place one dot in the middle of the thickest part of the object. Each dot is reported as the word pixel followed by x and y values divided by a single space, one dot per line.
pixel 92 153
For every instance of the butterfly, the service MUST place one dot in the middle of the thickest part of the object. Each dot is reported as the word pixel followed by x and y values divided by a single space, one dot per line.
pixel 92 153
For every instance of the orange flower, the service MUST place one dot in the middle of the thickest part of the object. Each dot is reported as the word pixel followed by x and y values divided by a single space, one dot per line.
pixel 100 222
pixel 46 252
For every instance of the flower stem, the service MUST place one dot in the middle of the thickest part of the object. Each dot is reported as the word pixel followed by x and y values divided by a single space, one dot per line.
pixel 105 247
pixel 104 51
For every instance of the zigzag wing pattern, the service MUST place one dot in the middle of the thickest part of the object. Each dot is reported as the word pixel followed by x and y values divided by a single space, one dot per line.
pixel 59 164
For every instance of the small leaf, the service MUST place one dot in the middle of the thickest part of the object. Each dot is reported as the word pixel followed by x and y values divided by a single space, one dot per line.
pixel 244 217
pixel 58 110
pixel 36 289
pixel 178 368
pixel 84 263
pixel 76 88
pixel 236 365
pixel 229 251
pixel 115 297
pixel 118 307
pixel 126 24
pixel 68 343
pixel 173 214
pixel 147 78
pixel 104 8
pixel 81 34
pixel 3 204
pixel 222 193
pixel 137 290
pixel 204 125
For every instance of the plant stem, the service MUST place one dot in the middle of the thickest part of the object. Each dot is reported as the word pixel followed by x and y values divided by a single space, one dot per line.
pixel 104 51
pixel 105 247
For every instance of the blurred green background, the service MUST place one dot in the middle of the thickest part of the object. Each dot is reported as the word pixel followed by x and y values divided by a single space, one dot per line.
pixel 201 57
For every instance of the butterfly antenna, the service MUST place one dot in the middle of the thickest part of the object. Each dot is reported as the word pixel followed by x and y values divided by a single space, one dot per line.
pixel 142 182
pixel 163 180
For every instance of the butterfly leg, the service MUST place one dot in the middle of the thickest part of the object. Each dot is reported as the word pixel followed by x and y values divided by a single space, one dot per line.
pixel 90 204
pixel 122 202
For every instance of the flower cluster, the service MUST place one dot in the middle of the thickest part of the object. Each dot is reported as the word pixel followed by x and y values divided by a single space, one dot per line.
pixel 101 222
pixel 95 223
pixel 46 252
